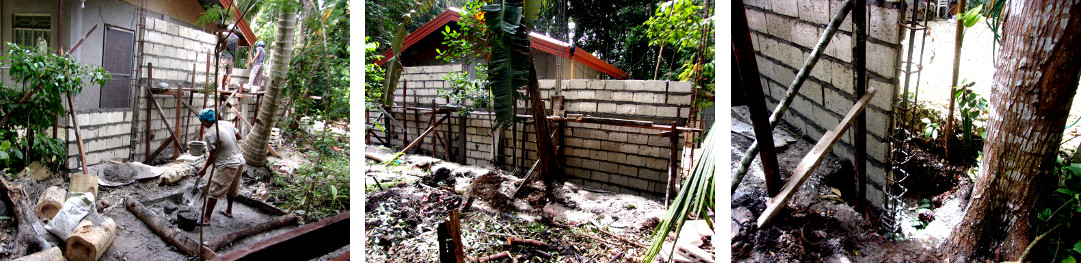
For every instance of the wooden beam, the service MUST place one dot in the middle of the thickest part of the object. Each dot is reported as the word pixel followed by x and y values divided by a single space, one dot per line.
pixel 166 231
pixel 419 138
pixel 812 160
pixel 859 62
pixel 164 121
pixel 78 133
pixel 743 59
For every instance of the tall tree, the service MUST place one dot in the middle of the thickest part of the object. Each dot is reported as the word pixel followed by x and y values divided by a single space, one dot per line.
pixel 254 145
pixel 1037 75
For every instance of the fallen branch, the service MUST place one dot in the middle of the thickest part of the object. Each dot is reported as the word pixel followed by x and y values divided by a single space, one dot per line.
pixel 277 222
pixel 622 239
pixel 500 255
pixel 165 230
pixel 31 233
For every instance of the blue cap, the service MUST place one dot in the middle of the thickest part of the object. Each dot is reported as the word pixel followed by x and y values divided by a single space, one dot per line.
pixel 206 115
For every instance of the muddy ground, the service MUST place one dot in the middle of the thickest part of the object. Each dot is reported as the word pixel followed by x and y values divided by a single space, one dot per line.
pixel 820 225
pixel 136 241
pixel 579 224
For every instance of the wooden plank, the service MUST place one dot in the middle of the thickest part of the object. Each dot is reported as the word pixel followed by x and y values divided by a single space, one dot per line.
pixel 302 243
pixel 812 160
pixel 614 121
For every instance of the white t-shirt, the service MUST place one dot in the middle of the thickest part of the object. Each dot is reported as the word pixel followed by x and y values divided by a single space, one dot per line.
pixel 229 155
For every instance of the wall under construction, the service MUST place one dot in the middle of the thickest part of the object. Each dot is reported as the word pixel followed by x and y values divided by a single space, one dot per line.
pixel 784 33
pixel 174 50
pixel 619 159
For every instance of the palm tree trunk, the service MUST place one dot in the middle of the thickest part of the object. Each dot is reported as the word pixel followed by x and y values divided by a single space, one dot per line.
pixel 254 144
pixel 1033 89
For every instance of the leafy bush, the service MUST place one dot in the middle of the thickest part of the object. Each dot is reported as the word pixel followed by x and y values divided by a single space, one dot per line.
pixel 1061 213
pixel 50 78
pixel 972 106
pixel 327 181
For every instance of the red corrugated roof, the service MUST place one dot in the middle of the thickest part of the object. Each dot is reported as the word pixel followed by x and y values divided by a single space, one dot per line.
pixel 245 29
pixel 540 42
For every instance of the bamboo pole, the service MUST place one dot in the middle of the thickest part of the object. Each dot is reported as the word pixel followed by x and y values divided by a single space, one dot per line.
pixel 793 88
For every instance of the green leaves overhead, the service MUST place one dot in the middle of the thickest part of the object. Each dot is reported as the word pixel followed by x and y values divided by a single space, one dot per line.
pixel 510 57
pixel 971 17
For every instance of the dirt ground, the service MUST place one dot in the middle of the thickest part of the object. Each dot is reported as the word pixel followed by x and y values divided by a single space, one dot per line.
pixel 820 225
pixel 578 224
pixel 136 241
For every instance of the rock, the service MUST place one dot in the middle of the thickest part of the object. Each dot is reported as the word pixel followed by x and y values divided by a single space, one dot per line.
pixel 260 192
pixel 742 216
pixel 169 208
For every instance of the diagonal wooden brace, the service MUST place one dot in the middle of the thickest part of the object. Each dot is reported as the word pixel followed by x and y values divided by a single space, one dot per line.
pixel 812 160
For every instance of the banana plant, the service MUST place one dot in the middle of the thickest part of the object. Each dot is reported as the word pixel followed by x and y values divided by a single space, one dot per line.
pixel 695 198
pixel 510 57
pixel 394 64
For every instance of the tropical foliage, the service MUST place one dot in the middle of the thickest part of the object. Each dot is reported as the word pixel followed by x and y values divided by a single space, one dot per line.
pixel 48 77
pixel 510 57
pixel 319 75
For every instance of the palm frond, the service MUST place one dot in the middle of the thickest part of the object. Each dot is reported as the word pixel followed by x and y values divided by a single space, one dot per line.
pixel 695 198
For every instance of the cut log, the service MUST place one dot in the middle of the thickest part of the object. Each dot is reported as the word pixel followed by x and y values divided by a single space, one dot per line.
pixel 89 240
pixel 166 231
pixel 84 183
pixel 52 254
pixel 277 222
pixel 511 241
pixel 50 202
pixel 31 233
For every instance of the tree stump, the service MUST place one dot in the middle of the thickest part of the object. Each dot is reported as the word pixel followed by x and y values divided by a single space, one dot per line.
pixel 89 241
pixel 50 202
pixel 52 254
pixel 84 183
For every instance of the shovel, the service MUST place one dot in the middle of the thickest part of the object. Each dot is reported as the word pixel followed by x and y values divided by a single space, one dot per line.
pixel 192 191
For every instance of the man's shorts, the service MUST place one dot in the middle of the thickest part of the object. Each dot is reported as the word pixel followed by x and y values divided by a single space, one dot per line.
pixel 226 181
pixel 225 64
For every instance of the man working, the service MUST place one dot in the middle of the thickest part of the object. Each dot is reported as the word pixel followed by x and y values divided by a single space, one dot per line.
pixel 256 76
pixel 226 58
pixel 228 163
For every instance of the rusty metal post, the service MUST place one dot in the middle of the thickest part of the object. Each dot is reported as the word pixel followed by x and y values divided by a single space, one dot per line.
pixel 176 123
pixel 149 96
pixel 859 61
pixel 673 173
pixel 436 129
pixel 748 70
pixel 405 122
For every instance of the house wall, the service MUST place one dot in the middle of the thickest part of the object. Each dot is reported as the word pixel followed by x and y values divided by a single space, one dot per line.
pixel 619 159
pixel 548 67
pixel 783 34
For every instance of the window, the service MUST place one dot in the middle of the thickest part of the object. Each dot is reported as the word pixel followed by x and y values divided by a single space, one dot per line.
pixel 26 29
pixel 116 58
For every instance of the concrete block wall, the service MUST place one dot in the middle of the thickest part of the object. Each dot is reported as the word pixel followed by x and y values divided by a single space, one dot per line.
pixel 619 159
pixel 173 49
pixel 784 33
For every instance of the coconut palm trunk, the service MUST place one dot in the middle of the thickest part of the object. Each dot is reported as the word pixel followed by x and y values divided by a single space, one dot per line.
pixel 254 145
pixel 1034 85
